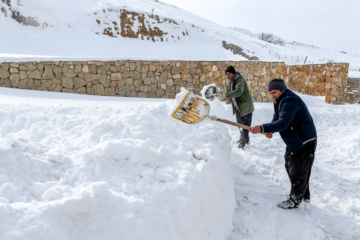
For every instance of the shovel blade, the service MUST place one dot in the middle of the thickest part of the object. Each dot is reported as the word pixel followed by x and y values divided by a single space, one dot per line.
pixel 192 109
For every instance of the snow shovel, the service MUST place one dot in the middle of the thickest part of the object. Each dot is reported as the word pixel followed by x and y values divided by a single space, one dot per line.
pixel 212 92
pixel 194 109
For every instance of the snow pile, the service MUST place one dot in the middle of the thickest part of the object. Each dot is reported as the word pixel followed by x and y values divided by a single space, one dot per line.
pixel 74 170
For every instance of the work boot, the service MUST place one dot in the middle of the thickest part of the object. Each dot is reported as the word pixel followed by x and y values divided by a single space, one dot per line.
pixel 291 203
pixel 241 144
pixel 244 141
pixel 307 196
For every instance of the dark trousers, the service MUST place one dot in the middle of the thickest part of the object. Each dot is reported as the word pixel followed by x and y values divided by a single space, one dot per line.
pixel 298 166
pixel 245 120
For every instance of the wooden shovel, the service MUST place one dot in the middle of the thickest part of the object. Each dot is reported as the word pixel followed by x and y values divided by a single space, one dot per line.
pixel 194 109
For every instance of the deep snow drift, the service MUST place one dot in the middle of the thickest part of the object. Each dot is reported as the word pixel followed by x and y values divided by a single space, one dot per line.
pixel 82 167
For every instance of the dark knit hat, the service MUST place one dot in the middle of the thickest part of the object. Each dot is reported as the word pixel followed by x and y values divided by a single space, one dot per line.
pixel 230 69
pixel 277 84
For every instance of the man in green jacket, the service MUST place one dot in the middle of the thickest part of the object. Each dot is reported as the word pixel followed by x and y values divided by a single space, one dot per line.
pixel 238 94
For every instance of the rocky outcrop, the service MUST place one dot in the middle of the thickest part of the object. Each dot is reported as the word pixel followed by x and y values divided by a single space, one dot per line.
pixel 16 15
pixel 130 24
pixel 238 50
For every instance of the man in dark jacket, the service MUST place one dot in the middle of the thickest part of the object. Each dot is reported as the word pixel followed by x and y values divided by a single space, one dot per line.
pixel 238 94
pixel 295 124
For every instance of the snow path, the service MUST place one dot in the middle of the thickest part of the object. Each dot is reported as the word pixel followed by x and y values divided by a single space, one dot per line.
pixel 261 180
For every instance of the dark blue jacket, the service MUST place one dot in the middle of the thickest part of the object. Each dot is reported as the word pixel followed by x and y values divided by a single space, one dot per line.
pixel 293 120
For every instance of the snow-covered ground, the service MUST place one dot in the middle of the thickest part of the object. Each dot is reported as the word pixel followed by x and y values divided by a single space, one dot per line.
pixel 91 168
pixel 79 167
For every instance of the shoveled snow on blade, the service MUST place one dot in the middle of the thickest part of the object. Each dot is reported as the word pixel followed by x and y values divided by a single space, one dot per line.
pixel 210 91
pixel 190 108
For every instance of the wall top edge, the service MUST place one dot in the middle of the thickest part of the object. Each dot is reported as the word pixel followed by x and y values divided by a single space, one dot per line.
pixel 131 60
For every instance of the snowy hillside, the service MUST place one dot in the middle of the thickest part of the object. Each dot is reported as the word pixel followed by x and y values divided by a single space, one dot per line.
pixel 146 29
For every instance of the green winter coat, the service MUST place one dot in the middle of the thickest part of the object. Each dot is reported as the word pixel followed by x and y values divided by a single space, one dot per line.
pixel 238 92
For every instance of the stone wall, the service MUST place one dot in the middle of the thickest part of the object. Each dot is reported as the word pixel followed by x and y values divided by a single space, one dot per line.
pixel 353 91
pixel 163 79
pixel 329 80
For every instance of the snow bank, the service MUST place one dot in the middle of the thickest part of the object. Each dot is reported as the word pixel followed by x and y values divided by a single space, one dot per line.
pixel 109 171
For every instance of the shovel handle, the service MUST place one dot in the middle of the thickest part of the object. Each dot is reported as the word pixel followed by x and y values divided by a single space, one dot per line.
pixel 231 123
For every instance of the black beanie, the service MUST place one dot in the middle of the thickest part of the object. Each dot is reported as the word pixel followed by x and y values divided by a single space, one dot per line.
pixel 230 69
pixel 277 84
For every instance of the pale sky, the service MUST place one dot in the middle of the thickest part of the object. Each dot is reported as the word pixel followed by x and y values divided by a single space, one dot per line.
pixel 330 24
